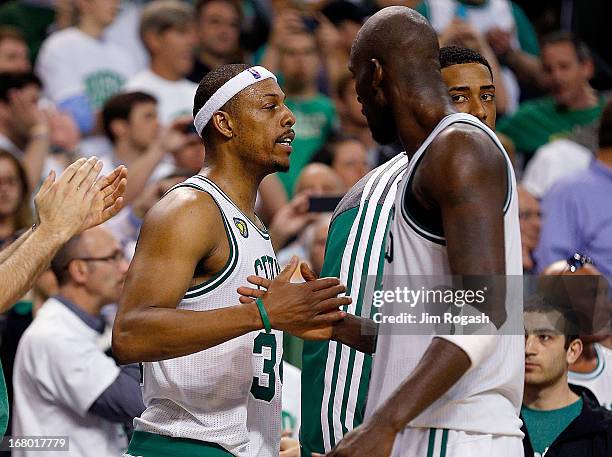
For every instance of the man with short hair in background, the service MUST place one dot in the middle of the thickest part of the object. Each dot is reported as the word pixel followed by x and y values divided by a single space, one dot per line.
pixel 14 53
pixel 568 68
pixel 559 419
pixel 335 376
pixel 576 211
pixel 167 29
pixel 64 384
pixel 131 123
pixel 24 130
pixel 218 32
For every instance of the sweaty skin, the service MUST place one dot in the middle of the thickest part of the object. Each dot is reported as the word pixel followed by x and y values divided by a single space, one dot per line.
pixel 461 183
pixel 181 244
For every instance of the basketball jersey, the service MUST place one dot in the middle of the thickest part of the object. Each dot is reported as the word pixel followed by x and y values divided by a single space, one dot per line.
pixel 335 377
pixel 599 381
pixel 229 394
pixel 487 398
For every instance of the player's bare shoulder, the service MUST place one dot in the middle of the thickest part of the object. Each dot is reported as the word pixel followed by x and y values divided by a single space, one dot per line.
pixel 462 156
pixel 185 216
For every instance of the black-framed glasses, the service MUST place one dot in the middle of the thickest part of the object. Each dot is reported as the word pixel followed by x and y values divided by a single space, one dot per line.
pixel 577 261
pixel 116 257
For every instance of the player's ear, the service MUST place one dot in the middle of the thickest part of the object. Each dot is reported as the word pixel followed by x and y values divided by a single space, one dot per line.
pixel 377 77
pixel 223 124
pixel 377 74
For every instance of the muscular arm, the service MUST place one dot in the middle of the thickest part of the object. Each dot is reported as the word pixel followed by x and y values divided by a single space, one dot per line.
pixel 148 326
pixel 357 332
pixel 471 200
pixel 26 258
pixel 178 233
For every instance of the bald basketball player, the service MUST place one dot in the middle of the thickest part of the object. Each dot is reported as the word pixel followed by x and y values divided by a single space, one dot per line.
pixel 335 377
pixel 456 213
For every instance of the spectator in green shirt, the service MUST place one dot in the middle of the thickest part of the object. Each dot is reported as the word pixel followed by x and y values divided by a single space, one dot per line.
pixel 314 112
pixel 559 419
pixel 571 102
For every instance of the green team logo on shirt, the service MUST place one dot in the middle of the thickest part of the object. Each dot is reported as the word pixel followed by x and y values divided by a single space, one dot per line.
pixel 101 85
pixel 267 267
pixel 242 227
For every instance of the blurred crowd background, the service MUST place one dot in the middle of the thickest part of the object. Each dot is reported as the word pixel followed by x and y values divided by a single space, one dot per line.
pixel 116 79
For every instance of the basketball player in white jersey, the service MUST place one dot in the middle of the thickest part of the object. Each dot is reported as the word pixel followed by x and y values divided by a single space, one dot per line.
pixel 336 377
pixel 212 367
pixel 456 213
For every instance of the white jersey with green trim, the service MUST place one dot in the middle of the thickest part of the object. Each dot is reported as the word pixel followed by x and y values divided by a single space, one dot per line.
pixel 487 398
pixel 229 394
pixel 598 381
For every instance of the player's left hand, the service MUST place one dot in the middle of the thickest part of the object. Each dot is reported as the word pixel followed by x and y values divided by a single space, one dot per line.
pixel 250 294
pixel 368 440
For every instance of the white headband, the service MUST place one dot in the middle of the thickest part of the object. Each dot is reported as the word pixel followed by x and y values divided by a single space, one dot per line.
pixel 238 83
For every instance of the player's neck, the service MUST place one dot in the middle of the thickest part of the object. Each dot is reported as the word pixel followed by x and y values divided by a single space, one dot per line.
pixel 238 183
pixel 546 398
pixel 89 26
pixel 415 124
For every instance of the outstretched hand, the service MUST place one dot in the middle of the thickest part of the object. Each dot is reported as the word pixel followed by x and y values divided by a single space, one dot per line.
pixel 77 201
pixel 108 198
pixel 307 310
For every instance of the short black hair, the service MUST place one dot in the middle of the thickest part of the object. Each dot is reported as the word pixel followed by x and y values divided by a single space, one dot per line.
pixel 210 83
pixel 605 126
pixel 569 326
pixel 120 106
pixel 565 36
pixel 11 81
pixel 456 55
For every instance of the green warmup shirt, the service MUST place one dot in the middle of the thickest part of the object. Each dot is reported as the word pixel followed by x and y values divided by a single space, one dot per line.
pixel 335 377
pixel 315 119
pixel 545 426
pixel 538 122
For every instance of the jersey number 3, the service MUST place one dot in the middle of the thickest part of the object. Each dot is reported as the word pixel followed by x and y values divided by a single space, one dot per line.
pixel 260 392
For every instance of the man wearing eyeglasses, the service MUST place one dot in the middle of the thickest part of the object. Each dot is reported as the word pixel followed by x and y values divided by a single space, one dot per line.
pixel 64 384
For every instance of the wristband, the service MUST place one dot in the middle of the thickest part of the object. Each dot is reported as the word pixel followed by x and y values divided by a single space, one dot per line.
pixel 264 315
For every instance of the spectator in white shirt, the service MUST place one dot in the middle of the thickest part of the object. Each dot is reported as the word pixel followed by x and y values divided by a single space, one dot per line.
pixel 64 384
pixel 167 29
pixel 79 69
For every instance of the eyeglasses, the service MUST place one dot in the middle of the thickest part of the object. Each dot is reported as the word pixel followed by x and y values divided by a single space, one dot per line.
pixel 577 261
pixel 114 257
